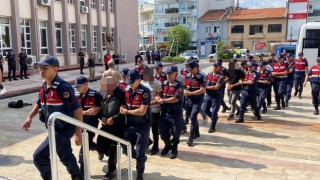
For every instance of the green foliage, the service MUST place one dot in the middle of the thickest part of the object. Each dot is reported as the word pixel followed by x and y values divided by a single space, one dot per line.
pixel 222 52
pixel 181 37
pixel 167 59
pixel 179 59
pixel 173 59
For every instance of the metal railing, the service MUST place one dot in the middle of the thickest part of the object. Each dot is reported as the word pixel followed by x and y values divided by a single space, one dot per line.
pixel 85 144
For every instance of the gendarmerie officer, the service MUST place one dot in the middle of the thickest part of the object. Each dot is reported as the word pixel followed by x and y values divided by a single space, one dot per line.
pixel 81 56
pixel 194 91
pixel 280 70
pixel 56 95
pixel 88 99
pixel 248 93
pixel 264 81
pixel 299 74
pixel 137 111
pixel 122 83
pixel 23 63
pixel 112 122
pixel 171 112
pixel 314 75
pixel 212 100
pixel 291 70
pixel 160 75
pixel 141 67
pixel 11 58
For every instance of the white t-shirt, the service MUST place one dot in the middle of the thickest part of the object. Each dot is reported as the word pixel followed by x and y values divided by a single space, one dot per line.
pixel 155 87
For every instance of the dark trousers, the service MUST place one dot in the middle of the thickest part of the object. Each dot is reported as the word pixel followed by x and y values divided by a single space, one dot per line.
pixel 192 110
pixel 12 68
pixel 41 157
pixel 263 92
pixel 212 102
pixel 279 88
pixel 155 129
pixel 315 92
pixel 23 70
pixel 148 59
pixel 248 97
pixel 1 68
pixel 298 83
pixel 81 67
pixel 139 139
pixel 289 88
pixel 170 124
pixel 223 104
pixel 269 100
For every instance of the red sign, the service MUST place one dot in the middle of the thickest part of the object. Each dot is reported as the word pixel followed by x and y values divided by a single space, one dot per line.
pixel 211 35
pixel 259 45
pixel 150 38
pixel 296 1
pixel 298 16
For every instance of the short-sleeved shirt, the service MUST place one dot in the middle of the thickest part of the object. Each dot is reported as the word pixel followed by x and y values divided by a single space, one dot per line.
pixel 235 78
pixel 155 87
pixel 23 58
pixel 91 62
pixel 250 77
pixel 314 74
pixel 81 57
pixel 162 77
pixel 11 59
pixel 194 83
pixel 212 79
pixel 280 67
pixel 265 75
pixel 116 58
pixel 174 89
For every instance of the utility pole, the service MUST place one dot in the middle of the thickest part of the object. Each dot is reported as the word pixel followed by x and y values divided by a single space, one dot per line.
pixel 290 35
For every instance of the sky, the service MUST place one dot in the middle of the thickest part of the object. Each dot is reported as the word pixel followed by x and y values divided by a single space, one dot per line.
pixel 251 4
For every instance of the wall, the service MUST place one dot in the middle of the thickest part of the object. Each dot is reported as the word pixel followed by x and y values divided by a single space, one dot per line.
pixel 205 5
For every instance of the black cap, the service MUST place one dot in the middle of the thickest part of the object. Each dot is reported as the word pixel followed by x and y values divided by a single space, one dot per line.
pixel 263 63
pixel 139 59
pixel 49 60
pixel 234 60
pixel 272 54
pixel 80 80
pixel 159 65
pixel 243 62
pixel 191 61
pixel 219 60
pixel 300 54
pixel 133 75
pixel 218 63
pixel 250 57
pixel 124 71
pixel 251 64
pixel 281 56
pixel 171 69
pixel 260 55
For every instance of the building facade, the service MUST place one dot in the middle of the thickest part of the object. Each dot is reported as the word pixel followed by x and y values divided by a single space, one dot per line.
pixel 213 26
pixel 58 27
pixel 146 25
pixel 250 27
pixel 206 5
pixel 314 11
pixel 169 13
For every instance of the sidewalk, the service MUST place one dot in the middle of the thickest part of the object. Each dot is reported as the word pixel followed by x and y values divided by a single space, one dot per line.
pixel 27 86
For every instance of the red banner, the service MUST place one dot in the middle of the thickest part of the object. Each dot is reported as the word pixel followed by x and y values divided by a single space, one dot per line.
pixel 298 16
pixel 259 45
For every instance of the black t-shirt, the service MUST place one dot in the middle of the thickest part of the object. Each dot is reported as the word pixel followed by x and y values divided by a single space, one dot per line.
pixel 91 62
pixel 116 58
pixel 234 78
pixel 81 57
pixel 11 59
pixel 23 58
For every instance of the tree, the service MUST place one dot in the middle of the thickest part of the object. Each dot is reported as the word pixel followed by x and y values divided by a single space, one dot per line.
pixel 179 38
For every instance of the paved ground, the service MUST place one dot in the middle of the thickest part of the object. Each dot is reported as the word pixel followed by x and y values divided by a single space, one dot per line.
pixel 284 145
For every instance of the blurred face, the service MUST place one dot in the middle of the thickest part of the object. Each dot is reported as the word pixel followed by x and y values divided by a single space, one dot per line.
pixel 159 70
pixel 83 88
pixel 171 76
pixel 23 50
pixel 261 57
pixel 140 63
pixel 148 75
pixel 107 86
pixel 252 68
pixel 48 72
pixel 194 70
pixel 262 68
pixel 280 60
pixel 300 57
pixel 216 68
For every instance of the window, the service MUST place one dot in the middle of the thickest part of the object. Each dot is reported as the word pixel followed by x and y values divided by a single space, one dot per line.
pixel 103 36
pixel 216 29
pixel 111 5
pixel 102 5
pixel 254 29
pixel 25 35
pixel 237 29
pixel 72 38
pixel 5 39
pixel 208 30
pixel 192 5
pixel 43 37
pixel 93 3
pixel 84 37
pixel 237 44
pixel 70 2
pixel 112 34
pixel 82 2
pixel 58 38
pixel 94 38
pixel 274 28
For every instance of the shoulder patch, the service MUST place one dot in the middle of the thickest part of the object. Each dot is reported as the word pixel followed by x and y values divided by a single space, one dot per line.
pixel 180 90
pixel 145 95
pixel 198 76
pixel 66 94
pixel 221 76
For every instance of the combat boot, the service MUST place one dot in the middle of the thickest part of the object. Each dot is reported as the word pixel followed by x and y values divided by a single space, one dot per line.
pixel 277 107
pixel 77 177
pixel 166 148
pixel 139 176
pixel 287 103
pixel 295 93
pixel 283 104
pixel 190 141
pixel 299 96
pixel 212 128
pixel 174 152
pixel 316 112
pixel 240 120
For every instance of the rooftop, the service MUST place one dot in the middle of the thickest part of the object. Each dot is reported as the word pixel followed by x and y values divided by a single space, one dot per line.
pixel 214 14
pixel 258 13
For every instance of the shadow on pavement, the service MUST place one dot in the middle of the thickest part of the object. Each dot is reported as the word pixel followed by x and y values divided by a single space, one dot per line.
pixel 13 160
pixel 218 161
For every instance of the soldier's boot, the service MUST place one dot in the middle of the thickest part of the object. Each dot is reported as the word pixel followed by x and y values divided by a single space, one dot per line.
pixel 299 96
pixel 258 116
pixel 283 104
pixel 287 103
pixel 316 110
pixel 174 152
pixel 241 118
pixel 212 127
pixel 295 92
pixel 139 176
pixel 167 148
pixel 277 107
pixel 187 120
